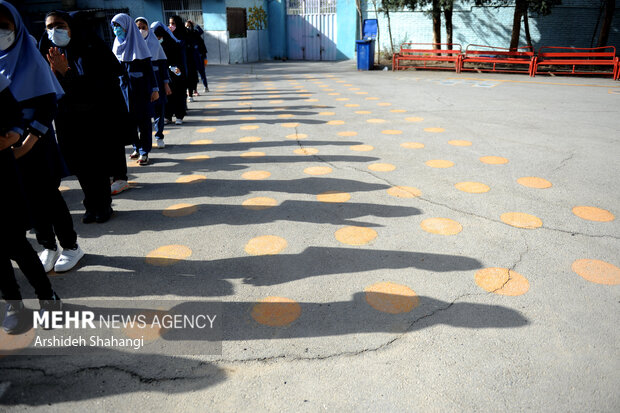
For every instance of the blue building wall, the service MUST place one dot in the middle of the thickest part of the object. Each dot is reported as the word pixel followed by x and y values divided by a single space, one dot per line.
pixel 276 26
pixel 347 21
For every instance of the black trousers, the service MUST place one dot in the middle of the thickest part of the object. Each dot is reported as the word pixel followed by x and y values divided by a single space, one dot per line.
pixel 53 219
pixel 96 188
pixel 118 164
pixel 16 247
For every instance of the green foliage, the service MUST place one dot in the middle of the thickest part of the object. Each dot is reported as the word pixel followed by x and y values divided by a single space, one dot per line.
pixel 257 19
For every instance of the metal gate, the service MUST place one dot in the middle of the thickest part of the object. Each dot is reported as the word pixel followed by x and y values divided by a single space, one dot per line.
pixel 186 9
pixel 311 26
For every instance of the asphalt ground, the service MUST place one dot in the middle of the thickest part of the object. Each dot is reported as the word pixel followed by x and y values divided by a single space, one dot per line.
pixel 411 241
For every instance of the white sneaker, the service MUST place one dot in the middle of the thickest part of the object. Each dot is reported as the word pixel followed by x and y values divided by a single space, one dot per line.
pixel 119 186
pixel 205 90
pixel 134 155
pixel 190 100
pixel 178 122
pixel 159 143
pixel 68 259
pixel 48 258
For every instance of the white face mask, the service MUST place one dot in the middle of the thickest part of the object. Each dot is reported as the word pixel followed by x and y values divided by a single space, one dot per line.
pixel 144 33
pixel 59 37
pixel 7 38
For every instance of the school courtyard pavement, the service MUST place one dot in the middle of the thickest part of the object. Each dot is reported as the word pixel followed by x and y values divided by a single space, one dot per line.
pixel 379 241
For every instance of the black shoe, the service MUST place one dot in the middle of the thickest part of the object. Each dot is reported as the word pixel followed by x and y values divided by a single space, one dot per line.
pixel 88 217
pixel 53 304
pixel 104 216
pixel 14 317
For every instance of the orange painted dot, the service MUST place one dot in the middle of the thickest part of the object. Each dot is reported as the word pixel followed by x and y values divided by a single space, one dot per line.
pixel 434 130
pixel 493 160
pixel 212 105
pixel 10 343
pixel 373 98
pixel 363 112
pixel 197 158
pixel 414 119
pixel 361 93
pixel 361 148
pixel 591 213
pixel 459 143
pixel 246 97
pixel 521 220
pixel 296 136
pixel 333 93
pixel 318 170
pixel 168 255
pixel 347 133
pixel 259 203
pixel 391 132
pixel 381 167
pixel 249 127
pixel 441 226
pixel 384 104
pixel 191 179
pixel 398 111
pixel 63 188
pixel 597 271
pixel 290 125
pixel 312 100
pixel 472 187
pixel 404 192
pixel 355 235
pixel 351 105
pixel 412 145
pixel 244 104
pixel 342 99
pixel 327 113
pixel 250 139
pixel 201 142
pixel 248 118
pixel 276 311
pixel 252 154
pixel 306 151
pixel 256 175
pixel 534 182
pixel 375 120
pixel 335 122
pixel 265 245
pixel 276 101
pixel 180 210
pixel 502 281
pixel 439 163
pixel 354 88
pixel 333 196
pixel 286 115
pixel 391 298
pixel 149 331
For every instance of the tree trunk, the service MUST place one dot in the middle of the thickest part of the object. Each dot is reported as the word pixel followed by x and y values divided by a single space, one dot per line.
pixel 387 14
pixel 378 43
pixel 436 24
pixel 447 14
pixel 603 37
pixel 526 26
pixel 520 8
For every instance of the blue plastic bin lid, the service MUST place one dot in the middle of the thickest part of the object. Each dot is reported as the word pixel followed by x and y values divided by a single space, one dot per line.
pixel 369 30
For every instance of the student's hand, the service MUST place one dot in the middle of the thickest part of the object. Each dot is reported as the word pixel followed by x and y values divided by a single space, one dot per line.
pixel 26 146
pixel 58 61
pixel 154 96
pixel 168 90
pixel 8 140
pixel 177 71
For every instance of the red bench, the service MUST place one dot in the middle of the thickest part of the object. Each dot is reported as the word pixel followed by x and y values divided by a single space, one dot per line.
pixel 575 56
pixel 427 53
pixel 509 60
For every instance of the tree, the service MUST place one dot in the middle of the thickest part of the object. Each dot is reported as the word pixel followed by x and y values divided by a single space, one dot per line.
pixel 437 7
pixel 522 7
pixel 603 37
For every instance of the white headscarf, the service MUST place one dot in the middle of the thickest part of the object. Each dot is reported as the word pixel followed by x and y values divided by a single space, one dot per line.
pixel 133 47
pixel 157 52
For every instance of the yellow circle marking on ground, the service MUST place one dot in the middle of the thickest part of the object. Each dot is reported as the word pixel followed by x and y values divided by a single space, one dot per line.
pixel 259 203
pixel 249 127
pixel 276 311
pixel 591 213
pixel 363 112
pixel 384 104
pixel 286 115
pixel 295 136
pixel 256 175
pixel 391 132
pixel 276 101
pixel 306 151
pixel 342 99
pixel 327 113
pixel 265 245
pixel 412 145
pixel 347 84
pixel 493 160
pixel 439 163
pixel 246 97
pixel 248 118
pixel 191 179
pixel 245 110
pixel 441 226
pixel 373 98
pixel 361 93
pixel 381 167
pixel 333 196
pixel 414 119
pixel 247 139
pixel 254 154
pixel 398 110
pixel 521 220
pixel 355 235
pixel 354 88
pixel 168 255
pixel 201 142
pixel 290 125
pixel 347 133
pixel 275 96
pixel 597 271
pixel 375 120
pixel 534 182
pixel 318 170
pixel 392 298
pixel 404 192
pixel 312 100
pixel 457 142
pixel 212 105
pixel 333 94
pixel 180 210
pixel 15 342
pixel 335 122
pixel 502 281
pixel 63 188
pixel 197 158
pixel 362 148
pixel 434 130
pixel 244 104
pixel 148 331
pixel 351 105
pixel 472 187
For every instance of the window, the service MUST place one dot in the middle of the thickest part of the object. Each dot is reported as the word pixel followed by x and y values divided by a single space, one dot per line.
pixel 186 9
pixel 237 22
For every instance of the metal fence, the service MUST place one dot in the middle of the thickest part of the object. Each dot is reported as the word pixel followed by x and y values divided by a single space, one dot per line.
pixel 305 7
pixel 186 9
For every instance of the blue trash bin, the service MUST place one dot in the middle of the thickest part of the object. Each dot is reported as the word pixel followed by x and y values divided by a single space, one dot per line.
pixel 366 46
